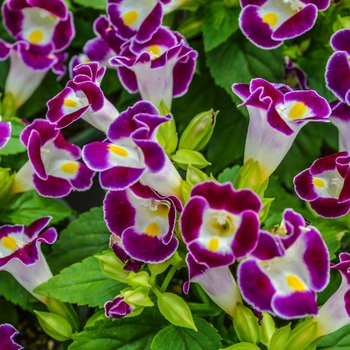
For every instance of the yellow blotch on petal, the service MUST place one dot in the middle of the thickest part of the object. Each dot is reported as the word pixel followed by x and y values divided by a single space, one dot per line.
pixel 318 183
pixel 295 283
pixel 68 102
pixel 130 18
pixel 36 36
pixel 70 167
pixel 152 229
pixel 270 18
pixel 9 243
pixel 154 51
pixel 214 244
pixel 118 150
pixel 297 111
pixel 162 209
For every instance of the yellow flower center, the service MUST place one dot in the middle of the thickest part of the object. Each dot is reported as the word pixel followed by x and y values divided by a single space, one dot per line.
pixel 214 244
pixel 295 283
pixel 118 150
pixel 36 36
pixel 130 18
pixel 70 103
pixel 9 243
pixel 270 18
pixel 152 229
pixel 154 51
pixel 297 111
pixel 70 167
pixel 318 183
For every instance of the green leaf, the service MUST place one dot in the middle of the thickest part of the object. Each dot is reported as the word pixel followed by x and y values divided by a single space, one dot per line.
pixel 31 206
pixel 229 174
pixel 219 23
pixel 179 338
pixel 134 333
pixel 96 4
pixel 14 145
pixel 339 340
pixel 82 238
pixel 83 284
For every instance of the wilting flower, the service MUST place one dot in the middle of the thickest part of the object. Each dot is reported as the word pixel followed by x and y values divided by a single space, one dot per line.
pixel 217 282
pixel 132 153
pixel 326 185
pixel 117 308
pixel 144 221
pixel 5 133
pixel 7 335
pixel 282 275
pixel 277 113
pixel 220 224
pixel 53 168
pixel 20 253
pixel 267 23
pixel 82 97
pixel 335 313
pixel 160 69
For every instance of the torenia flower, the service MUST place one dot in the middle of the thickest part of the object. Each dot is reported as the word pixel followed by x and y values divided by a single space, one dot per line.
pixel 160 69
pixel 335 313
pixel 53 168
pixel 117 308
pixel 82 97
pixel 282 275
pixel 326 185
pixel 267 23
pixel 144 221
pixel 7 335
pixel 220 224
pixel 172 5
pixel 20 253
pixel 5 133
pixel 132 153
pixel 277 113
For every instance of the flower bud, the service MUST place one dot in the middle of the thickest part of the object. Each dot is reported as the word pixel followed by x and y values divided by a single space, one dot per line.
pixel 242 346
pixel 302 336
pixel 246 325
pixel 8 105
pixel 184 157
pixel 112 266
pixel 280 338
pixel 195 176
pixel 6 180
pixel 65 310
pixel 267 328
pixel 198 132
pixel 186 188
pixel 136 297
pixel 138 279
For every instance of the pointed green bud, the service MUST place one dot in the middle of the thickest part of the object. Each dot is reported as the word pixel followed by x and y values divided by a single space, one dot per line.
pixel 112 266
pixel 242 346
pixel 280 338
pixel 268 328
pixel 8 106
pixel 199 131
pixel 157 269
pixel 266 204
pixel 302 335
pixel 186 188
pixel 136 297
pixel 99 315
pixel 249 176
pixel 7 181
pixel 65 310
pixel 195 176
pixel 175 309
pixel 138 279
pixel 54 325
pixel 246 325
pixel 184 157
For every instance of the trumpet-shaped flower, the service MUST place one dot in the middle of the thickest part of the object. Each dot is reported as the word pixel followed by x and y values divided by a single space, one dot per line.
pixel 53 168
pixel 326 185
pixel 82 97
pixel 5 133
pixel 266 23
pixel 220 224
pixel 160 69
pixel 7 335
pixel 132 153
pixel 340 117
pixel 277 113
pixel 20 253
pixel 283 273
pixel 144 221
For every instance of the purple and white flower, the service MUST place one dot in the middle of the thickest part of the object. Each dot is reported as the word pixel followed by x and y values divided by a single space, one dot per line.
pixel 277 113
pixel 20 253
pixel 82 98
pixel 295 76
pixel 282 274
pixel 326 185
pixel 220 224
pixel 7 335
pixel 267 23
pixel 53 168
pixel 5 133
pixel 144 221
pixel 160 69
pixel 117 308
pixel 132 153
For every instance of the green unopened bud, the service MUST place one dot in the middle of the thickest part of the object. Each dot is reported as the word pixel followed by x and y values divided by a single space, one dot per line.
pixel 341 22
pixel 302 336
pixel 112 266
pixel 267 328
pixel 190 28
pixel 8 106
pixel 65 310
pixel 280 338
pixel 199 131
pixel 99 315
pixel 175 309
pixel 6 180
pixel 249 176
pixel 195 176
pixel 54 325
pixel 266 204
pixel 136 297
pixel 138 279
pixel 186 188
pixel 242 346
pixel 184 157
pixel 157 269
pixel 246 325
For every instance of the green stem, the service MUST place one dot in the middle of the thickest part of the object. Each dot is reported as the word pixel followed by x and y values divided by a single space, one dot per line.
pixel 170 275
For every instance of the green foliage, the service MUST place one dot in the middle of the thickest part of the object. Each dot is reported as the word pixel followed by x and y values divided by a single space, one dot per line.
pixel 339 340
pixel 14 145
pixel 229 174
pixel 83 284
pixel 95 4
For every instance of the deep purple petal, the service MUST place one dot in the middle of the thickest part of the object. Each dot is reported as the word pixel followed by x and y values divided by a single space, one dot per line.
pixel 119 178
pixel 340 41
pixel 53 187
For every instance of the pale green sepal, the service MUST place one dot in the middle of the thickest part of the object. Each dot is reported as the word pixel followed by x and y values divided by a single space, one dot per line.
pixel 249 176
pixel 246 325
pixel 163 109
pixel 313 345
pixel 54 325
pixel 138 279
pixel 186 191
pixel 99 315
pixel 199 131
pixel 265 208
pixel 184 157
pixel 302 335
pixel 137 297
pixel 280 338
pixel 6 181
pixel 65 310
pixel 157 269
pixel 268 328
pixel 195 176
pixel 175 309
pixel 112 266
pixel 341 22
pixel 242 346
pixel 8 106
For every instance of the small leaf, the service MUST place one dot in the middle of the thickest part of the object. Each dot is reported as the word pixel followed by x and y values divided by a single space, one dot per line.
pixel 96 4
pixel 339 340
pixel 14 145
pixel 229 174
